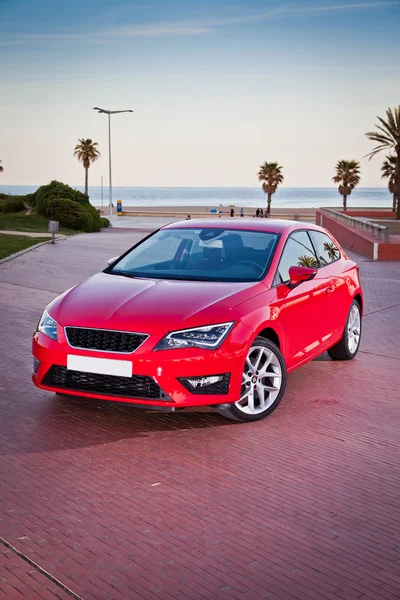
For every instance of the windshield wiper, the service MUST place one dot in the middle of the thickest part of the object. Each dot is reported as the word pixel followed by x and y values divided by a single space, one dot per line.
pixel 177 277
pixel 155 276
pixel 122 274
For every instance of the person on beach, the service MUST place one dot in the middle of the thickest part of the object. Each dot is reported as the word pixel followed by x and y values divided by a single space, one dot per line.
pixel 242 212
pixel 257 212
pixel 261 213
pixel 232 212
pixel 188 218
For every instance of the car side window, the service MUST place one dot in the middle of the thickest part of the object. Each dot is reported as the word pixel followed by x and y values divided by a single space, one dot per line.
pixel 298 251
pixel 327 251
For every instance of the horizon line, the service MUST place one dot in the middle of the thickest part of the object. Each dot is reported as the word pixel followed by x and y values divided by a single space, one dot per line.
pixel 197 187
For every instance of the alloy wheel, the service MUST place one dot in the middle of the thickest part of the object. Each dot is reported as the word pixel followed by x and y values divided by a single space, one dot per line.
pixel 353 329
pixel 261 381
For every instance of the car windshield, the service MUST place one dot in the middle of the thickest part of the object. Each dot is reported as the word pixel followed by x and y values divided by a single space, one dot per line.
pixel 200 254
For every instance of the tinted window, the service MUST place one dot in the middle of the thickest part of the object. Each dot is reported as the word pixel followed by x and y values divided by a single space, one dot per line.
pixel 205 254
pixel 327 251
pixel 298 251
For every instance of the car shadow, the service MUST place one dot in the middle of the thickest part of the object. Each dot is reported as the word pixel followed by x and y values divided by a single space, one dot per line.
pixel 70 422
pixel 322 358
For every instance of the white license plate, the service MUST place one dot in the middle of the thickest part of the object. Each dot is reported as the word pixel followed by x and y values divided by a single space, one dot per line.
pixel 103 366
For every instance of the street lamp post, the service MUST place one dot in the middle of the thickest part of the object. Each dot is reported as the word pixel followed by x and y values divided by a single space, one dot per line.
pixel 109 113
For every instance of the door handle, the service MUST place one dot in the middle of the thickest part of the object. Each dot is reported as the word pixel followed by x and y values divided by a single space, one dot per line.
pixel 329 290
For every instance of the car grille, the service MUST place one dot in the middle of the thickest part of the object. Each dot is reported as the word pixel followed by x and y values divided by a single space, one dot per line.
pixel 137 386
pixel 104 339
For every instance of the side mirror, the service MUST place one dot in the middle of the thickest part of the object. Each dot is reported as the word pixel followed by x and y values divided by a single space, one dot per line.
pixel 111 261
pixel 299 274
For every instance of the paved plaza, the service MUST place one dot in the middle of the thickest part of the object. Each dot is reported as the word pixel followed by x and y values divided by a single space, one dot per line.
pixel 100 501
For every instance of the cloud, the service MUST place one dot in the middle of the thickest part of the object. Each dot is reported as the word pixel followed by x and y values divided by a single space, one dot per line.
pixel 159 30
pixel 192 28
pixel 151 30
pixel 344 6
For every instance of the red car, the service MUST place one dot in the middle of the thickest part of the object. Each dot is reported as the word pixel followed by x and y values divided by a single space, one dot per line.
pixel 203 312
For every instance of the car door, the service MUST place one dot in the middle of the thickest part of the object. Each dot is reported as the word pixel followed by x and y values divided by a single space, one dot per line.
pixel 329 257
pixel 301 311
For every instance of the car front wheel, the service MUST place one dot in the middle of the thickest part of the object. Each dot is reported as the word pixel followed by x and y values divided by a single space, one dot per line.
pixel 348 346
pixel 263 383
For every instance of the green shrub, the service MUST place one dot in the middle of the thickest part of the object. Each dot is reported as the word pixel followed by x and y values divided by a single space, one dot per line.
pixel 12 205
pixel 27 198
pixel 30 199
pixel 104 222
pixel 72 214
pixel 85 222
pixel 60 202
pixel 64 210
pixel 95 216
pixel 56 189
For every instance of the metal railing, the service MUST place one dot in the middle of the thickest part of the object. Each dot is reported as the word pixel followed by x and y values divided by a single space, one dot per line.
pixel 379 231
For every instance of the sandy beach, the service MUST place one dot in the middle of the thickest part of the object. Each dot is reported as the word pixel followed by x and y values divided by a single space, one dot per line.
pixel 152 217
pixel 307 214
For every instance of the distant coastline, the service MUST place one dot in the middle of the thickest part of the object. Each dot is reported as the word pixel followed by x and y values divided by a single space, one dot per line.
pixel 285 197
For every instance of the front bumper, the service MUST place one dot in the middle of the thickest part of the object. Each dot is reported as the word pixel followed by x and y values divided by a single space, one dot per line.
pixel 166 368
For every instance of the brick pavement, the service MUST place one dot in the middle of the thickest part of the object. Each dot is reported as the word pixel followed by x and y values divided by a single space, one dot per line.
pixel 121 504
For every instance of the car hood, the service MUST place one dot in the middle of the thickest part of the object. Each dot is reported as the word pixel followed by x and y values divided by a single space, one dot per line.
pixel 147 305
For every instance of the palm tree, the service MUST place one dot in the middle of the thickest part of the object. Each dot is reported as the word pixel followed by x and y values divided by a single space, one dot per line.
pixel 387 135
pixel 1 168
pixel 388 171
pixel 86 151
pixel 332 251
pixel 271 176
pixel 307 261
pixel 347 176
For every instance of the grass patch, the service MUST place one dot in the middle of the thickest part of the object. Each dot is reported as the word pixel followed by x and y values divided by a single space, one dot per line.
pixel 9 244
pixel 33 222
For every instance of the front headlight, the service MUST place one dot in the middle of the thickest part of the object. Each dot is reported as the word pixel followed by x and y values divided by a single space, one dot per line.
pixel 209 337
pixel 48 326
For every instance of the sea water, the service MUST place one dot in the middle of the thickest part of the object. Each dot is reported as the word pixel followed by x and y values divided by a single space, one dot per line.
pixel 285 197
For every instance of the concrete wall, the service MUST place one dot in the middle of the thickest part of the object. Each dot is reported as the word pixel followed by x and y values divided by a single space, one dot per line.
pixel 359 241
pixel 372 213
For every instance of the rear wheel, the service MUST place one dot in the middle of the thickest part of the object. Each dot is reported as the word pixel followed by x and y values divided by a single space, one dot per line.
pixel 263 383
pixel 348 346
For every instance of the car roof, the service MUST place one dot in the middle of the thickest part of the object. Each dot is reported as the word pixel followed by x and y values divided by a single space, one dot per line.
pixel 253 224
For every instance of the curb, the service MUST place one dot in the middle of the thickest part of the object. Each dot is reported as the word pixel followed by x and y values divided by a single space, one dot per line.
pixel 126 229
pixel 66 237
pixel 21 252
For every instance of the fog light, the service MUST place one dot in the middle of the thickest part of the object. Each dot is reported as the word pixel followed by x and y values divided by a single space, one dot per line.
pixel 36 365
pixel 207 384
pixel 197 382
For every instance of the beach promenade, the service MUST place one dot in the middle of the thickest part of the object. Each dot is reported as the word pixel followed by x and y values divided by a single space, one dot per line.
pixel 149 218
pixel 100 501
pixel 197 211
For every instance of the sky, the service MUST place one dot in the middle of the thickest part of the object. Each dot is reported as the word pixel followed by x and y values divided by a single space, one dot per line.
pixel 217 88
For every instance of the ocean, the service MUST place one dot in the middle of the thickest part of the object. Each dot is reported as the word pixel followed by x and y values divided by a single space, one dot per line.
pixel 285 197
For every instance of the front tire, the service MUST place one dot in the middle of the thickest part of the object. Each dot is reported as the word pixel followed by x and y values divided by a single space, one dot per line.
pixel 348 346
pixel 263 383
